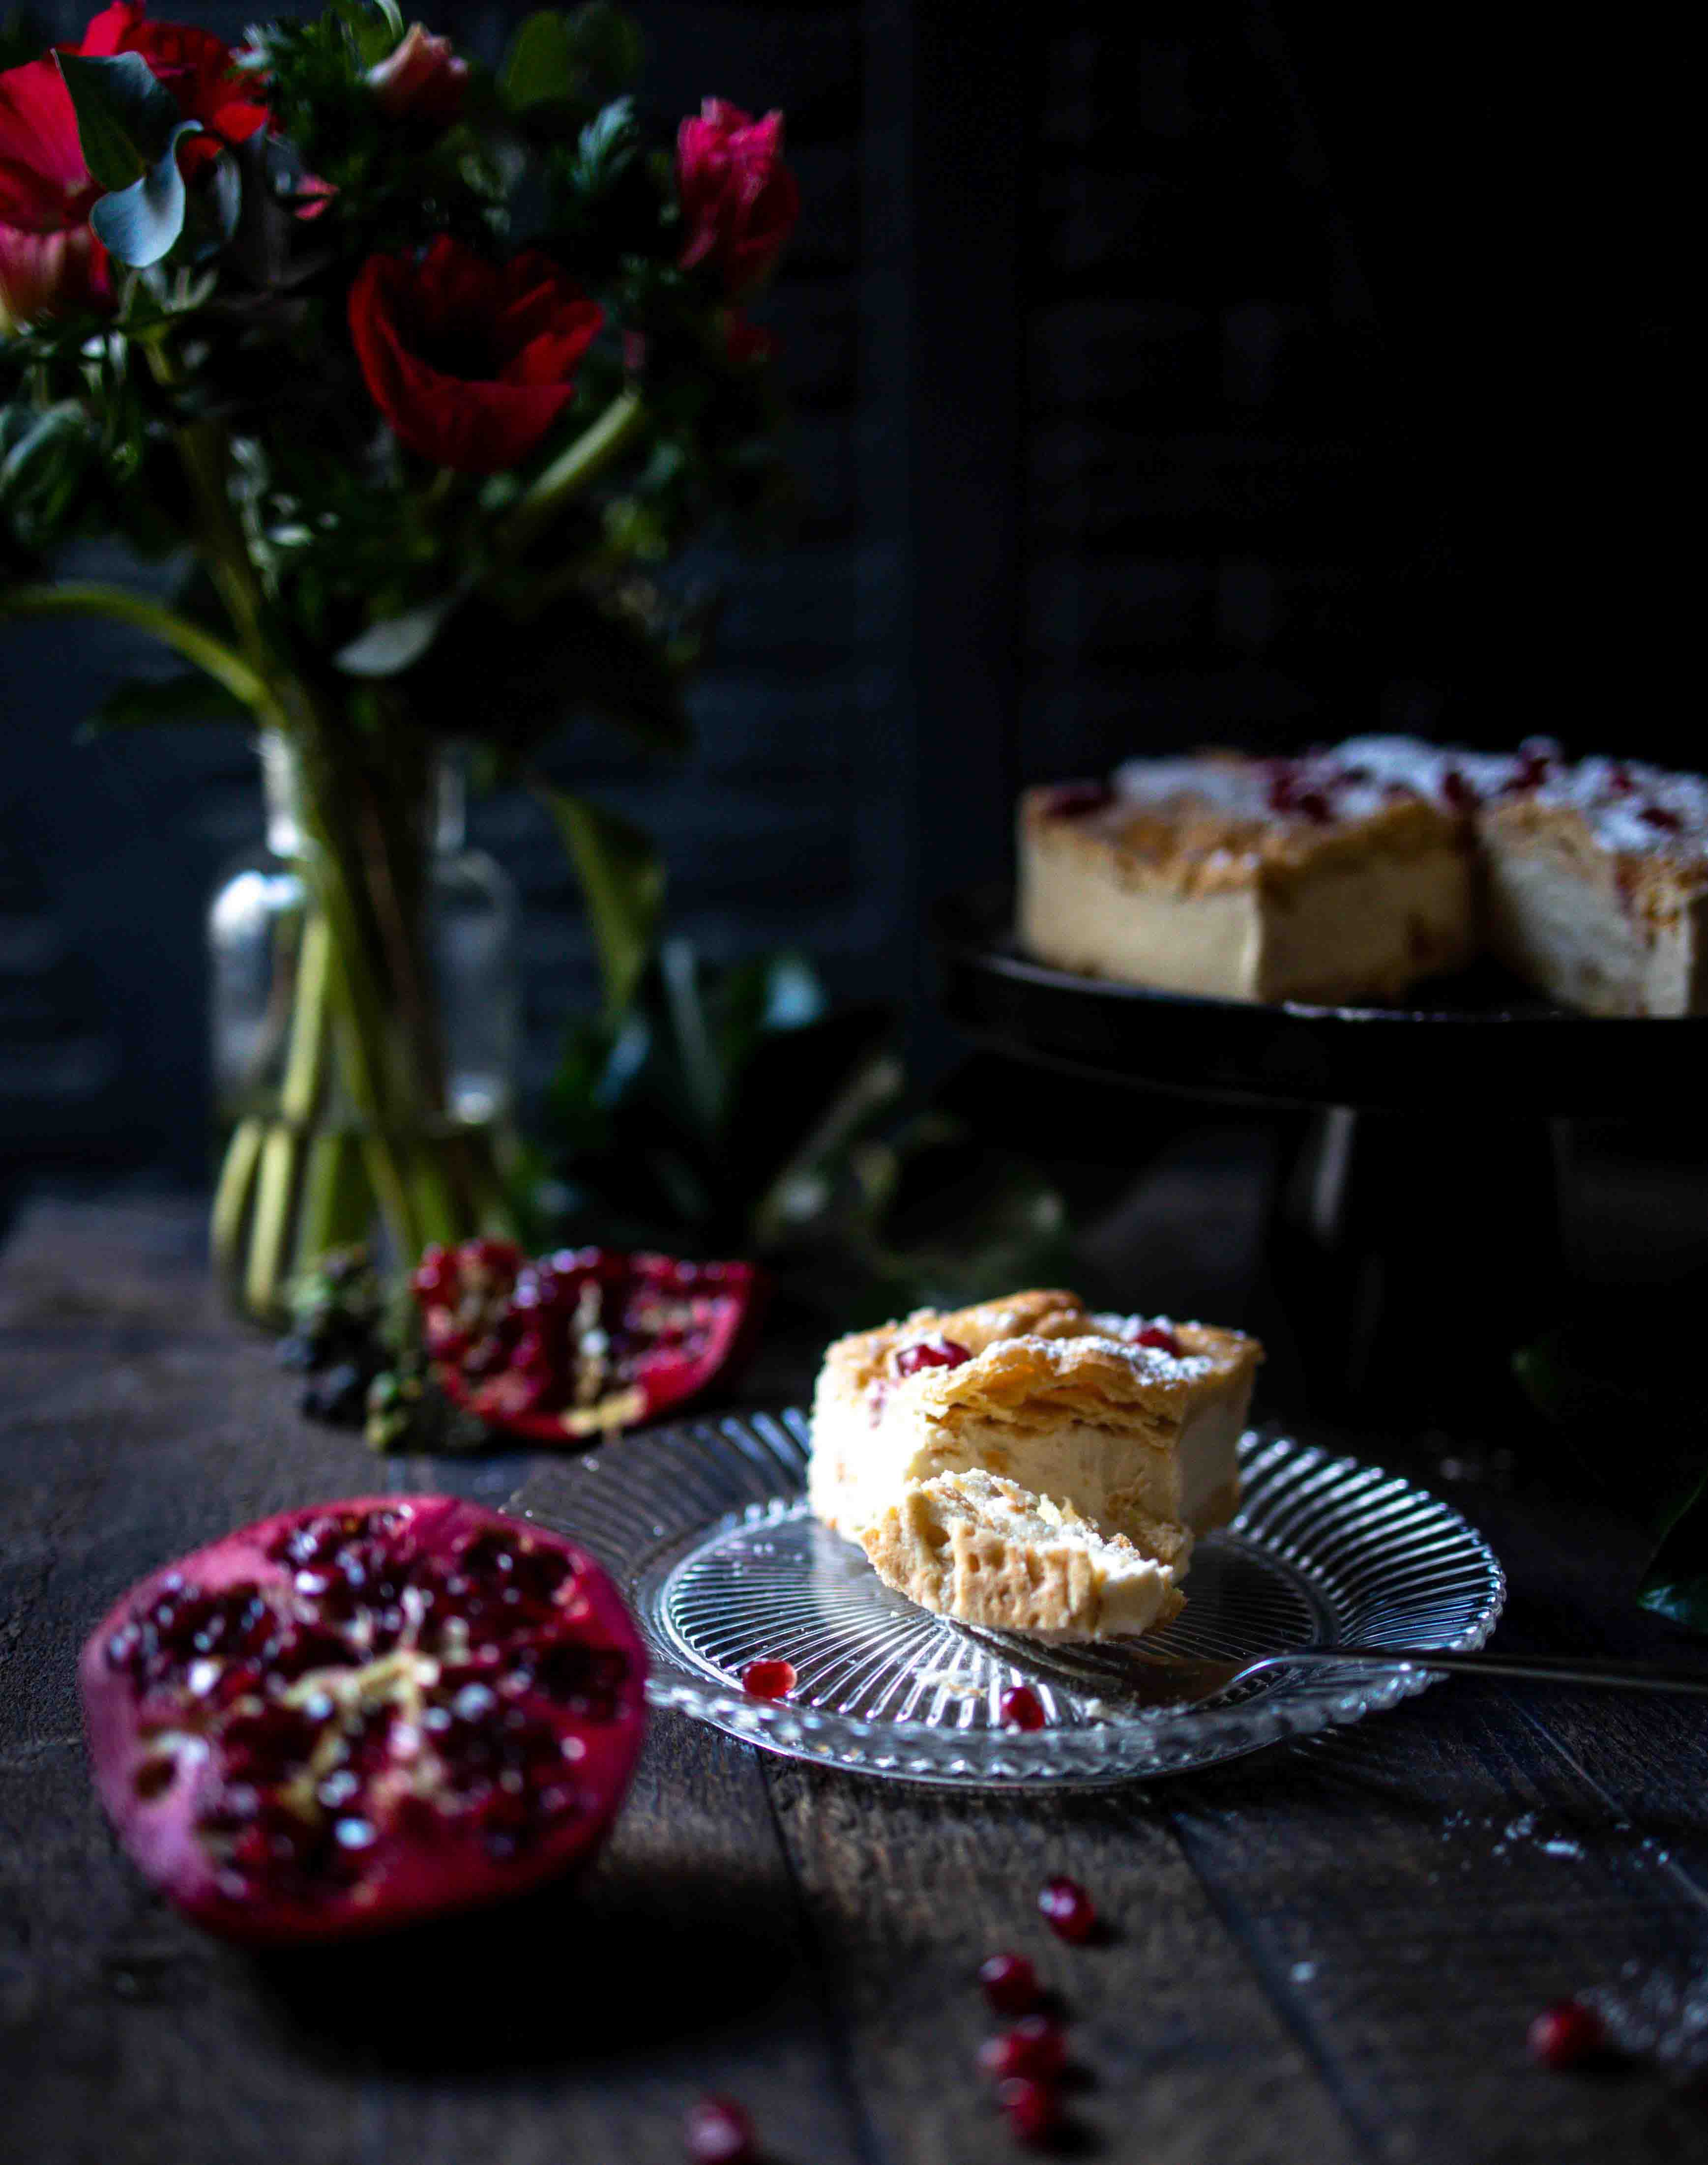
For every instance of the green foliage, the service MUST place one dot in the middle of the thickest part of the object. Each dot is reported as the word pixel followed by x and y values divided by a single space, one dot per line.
pixel 126 120
pixel 622 882
pixel 562 64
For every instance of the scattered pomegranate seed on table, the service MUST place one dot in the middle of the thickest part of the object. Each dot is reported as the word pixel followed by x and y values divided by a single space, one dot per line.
pixel 1069 1911
pixel 769 1679
pixel 1033 2046
pixel 1022 1709
pixel 1567 2034
pixel 1033 2109
pixel 717 2131
pixel 1010 1984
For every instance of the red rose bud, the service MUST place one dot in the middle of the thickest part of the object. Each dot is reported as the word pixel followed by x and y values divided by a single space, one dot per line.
pixel 421 80
pixel 198 68
pixel 738 200
pixel 469 361
pixel 50 274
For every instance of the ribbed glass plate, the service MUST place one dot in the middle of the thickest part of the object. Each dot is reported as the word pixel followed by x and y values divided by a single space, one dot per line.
pixel 705 1529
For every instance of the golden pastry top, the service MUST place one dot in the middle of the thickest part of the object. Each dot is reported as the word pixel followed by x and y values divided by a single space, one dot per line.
pixel 1037 1358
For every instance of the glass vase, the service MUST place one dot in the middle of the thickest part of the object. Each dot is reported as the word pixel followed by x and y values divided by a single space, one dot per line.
pixel 383 1117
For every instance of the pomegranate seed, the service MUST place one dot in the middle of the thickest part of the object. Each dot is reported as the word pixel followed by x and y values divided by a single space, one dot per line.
pixel 937 1352
pixel 1618 782
pixel 717 2131
pixel 1076 800
pixel 1315 805
pixel 1457 791
pixel 1033 2046
pixel 769 1679
pixel 1069 1911
pixel 1159 1335
pixel 1656 816
pixel 1009 1983
pixel 1033 2109
pixel 1567 2034
pixel 1022 1707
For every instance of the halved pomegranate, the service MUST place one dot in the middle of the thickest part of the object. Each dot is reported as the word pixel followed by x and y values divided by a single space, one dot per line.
pixel 582 1342
pixel 363 1713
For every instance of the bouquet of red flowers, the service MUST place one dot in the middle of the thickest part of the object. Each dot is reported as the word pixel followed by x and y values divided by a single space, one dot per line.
pixel 426 373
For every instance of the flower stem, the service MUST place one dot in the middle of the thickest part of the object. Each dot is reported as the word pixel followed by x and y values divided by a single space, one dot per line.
pixel 223 663
pixel 577 465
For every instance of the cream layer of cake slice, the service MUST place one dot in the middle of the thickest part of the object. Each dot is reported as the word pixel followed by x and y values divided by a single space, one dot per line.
pixel 1248 879
pixel 976 1548
pixel 1128 1419
pixel 1597 887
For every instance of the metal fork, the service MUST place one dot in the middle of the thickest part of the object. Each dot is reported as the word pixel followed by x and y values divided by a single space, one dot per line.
pixel 1160 1679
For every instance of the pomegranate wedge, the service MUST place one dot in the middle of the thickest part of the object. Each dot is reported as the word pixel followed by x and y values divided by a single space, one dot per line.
pixel 363 1713
pixel 580 1343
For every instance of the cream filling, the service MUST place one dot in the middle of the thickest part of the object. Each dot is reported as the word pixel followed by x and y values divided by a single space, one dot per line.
pixel 1344 929
pixel 860 1466
pixel 1572 940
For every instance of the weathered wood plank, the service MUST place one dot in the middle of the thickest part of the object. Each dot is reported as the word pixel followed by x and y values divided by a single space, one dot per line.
pixel 579 2024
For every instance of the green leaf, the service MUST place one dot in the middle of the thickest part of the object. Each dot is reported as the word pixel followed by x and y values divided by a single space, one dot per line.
pixel 1676 1583
pixel 148 700
pixel 396 643
pixel 139 223
pixel 577 59
pixel 622 882
pixel 540 67
pixel 126 119
pixel 608 146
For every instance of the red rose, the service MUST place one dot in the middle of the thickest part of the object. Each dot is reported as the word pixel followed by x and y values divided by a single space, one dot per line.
pixel 197 67
pixel 422 79
pixel 739 198
pixel 49 260
pixel 469 361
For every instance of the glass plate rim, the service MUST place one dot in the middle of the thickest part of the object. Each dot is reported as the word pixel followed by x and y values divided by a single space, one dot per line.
pixel 1168 1742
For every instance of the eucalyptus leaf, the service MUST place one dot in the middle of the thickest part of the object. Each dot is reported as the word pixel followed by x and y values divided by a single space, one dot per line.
pixel 622 882
pixel 126 119
pixel 396 643
pixel 140 223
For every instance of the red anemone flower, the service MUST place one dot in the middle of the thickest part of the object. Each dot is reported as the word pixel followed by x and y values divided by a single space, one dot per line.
pixel 45 185
pixel 198 68
pixel 469 361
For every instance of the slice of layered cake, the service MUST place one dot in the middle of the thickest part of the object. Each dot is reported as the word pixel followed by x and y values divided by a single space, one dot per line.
pixel 1356 871
pixel 1126 1427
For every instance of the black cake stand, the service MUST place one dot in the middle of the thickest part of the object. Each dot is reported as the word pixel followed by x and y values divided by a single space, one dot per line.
pixel 1414 1235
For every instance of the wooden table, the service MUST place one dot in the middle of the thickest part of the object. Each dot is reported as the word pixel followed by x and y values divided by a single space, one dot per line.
pixel 1329 1952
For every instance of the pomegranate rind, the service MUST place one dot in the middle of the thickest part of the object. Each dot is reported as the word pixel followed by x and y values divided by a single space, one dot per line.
pixel 741 1292
pixel 422 1867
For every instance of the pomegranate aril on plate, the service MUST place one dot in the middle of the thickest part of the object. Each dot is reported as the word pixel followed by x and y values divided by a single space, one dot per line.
pixel 769 1679
pixel 1022 1709
pixel 937 1352
pixel 1067 1909
pixel 1010 1984
pixel 1566 2034
pixel 362 1714
pixel 718 2131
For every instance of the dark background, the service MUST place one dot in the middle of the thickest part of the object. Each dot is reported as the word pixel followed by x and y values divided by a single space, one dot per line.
pixel 1246 373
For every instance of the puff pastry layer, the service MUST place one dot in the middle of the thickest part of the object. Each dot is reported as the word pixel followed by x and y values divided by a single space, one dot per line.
pixel 1136 1440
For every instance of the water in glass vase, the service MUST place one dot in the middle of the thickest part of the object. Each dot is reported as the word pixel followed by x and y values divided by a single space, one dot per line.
pixel 302 1170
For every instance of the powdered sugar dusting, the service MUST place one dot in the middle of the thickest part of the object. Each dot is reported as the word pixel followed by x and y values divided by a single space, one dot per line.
pixel 1119 1333
pixel 1635 809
